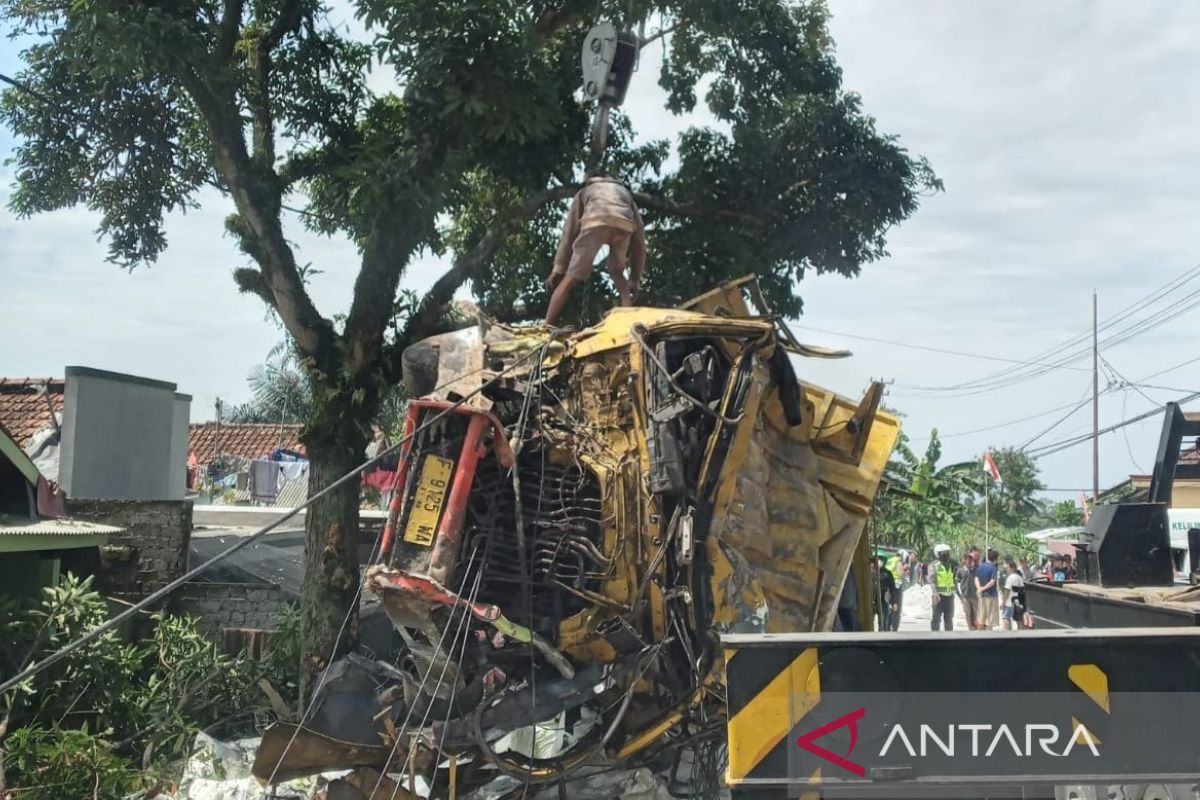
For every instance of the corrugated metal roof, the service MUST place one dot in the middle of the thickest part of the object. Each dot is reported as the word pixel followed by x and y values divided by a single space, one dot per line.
pixel 26 405
pixel 54 527
pixel 246 440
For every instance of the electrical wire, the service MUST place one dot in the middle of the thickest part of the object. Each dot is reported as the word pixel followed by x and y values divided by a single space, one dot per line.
pixel 1076 348
pixel 1126 382
pixel 337 640
pixel 466 612
pixel 1056 447
pixel 1125 433
pixel 1059 421
pixel 1105 391
pixel 928 348
pixel 158 594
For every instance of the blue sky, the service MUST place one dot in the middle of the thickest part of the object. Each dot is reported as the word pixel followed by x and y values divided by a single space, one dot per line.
pixel 1067 134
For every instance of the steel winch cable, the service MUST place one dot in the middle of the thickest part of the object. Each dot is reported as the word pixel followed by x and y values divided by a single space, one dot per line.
pixel 358 592
pixel 158 594
pixel 316 693
pixel 403 731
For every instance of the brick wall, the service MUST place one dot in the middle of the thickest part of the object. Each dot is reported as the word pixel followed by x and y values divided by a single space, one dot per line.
pixel 152 550
pixel 231 605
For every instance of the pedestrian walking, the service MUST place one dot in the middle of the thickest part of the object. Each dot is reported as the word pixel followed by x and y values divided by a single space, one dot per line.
pixel 986 580
pixel 941 601
pixel 964 584
pixel 1014 591
pixel 884 592
pixel 895 566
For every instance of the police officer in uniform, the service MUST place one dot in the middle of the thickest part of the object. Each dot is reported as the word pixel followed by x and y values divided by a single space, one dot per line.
pixel 941 585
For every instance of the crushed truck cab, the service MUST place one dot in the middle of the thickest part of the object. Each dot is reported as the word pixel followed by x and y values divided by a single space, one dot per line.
pixel 569 543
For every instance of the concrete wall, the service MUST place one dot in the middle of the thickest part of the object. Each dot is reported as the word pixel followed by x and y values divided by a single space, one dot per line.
pixel 231 605
pixel 121 435
pixel 152 550
pixel 177 465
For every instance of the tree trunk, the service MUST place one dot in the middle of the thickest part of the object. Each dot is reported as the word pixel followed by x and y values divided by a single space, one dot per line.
pixel 328 604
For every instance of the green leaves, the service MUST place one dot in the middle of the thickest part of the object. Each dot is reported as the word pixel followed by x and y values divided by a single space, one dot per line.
pixel 50 764
pixel 139 102
pixel 81 725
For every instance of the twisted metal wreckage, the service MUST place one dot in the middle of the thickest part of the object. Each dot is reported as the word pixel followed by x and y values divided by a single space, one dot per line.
pixel 570 543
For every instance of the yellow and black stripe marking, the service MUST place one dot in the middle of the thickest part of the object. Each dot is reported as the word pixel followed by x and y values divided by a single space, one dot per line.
pixel 779 690
pixel 1093 682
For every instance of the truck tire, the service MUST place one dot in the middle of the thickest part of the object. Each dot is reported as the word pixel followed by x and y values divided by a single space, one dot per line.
pixel 419 363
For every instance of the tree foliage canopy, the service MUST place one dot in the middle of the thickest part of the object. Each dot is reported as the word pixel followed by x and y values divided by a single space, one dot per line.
pixel 133 107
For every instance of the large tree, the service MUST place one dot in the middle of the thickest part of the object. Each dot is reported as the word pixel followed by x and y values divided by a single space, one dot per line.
pixel 131 107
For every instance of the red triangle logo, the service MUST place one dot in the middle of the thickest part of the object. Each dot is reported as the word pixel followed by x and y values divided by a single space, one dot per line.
pixel 808 741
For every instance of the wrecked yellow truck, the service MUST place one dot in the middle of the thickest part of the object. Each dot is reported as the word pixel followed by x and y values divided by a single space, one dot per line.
pixel 578 518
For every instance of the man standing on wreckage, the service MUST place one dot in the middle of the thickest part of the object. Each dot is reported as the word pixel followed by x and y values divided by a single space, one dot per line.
pixel 602 213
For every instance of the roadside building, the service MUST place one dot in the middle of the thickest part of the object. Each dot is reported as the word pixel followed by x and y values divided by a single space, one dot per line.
pixel 37 542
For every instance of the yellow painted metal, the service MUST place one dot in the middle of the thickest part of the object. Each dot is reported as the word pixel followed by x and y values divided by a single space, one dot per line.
pixel 1092 681
pixel 428 500
pixel 789 502
pixel 770 715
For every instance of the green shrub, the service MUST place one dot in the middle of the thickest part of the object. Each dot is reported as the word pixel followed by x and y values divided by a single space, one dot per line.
pixel 56 764
pixel 113 706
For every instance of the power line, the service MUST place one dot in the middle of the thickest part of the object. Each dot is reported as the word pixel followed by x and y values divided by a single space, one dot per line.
pixel 999 425
pixel 1076 348
pixel 1125 381
pixel 1105 391
pixel 1080 341
pixel 926 348
pixel 1056 447
pixel 1058 422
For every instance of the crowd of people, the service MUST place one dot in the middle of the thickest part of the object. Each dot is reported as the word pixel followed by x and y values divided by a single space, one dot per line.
pixel 990 590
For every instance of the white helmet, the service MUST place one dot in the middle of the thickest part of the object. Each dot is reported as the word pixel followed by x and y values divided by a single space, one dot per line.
pixel 938 549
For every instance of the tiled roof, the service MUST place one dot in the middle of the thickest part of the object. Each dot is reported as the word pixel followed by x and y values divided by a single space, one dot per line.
pixel 246 440
pixel 24 408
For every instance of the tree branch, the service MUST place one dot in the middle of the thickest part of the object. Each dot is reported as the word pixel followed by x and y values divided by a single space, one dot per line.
pixel 259 92
pixel 470 263
pixel 289 20
pixel 385 252
pixel 551 20
pixel 668 206
pixel 660 33
pixel 227 32
pixel 257 195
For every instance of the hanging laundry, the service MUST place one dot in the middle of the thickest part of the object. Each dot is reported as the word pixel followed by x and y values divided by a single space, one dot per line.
pixel 264 481
pixel 293 470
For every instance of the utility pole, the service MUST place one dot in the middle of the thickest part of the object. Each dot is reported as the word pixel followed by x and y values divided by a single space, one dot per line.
pixel 1095 401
